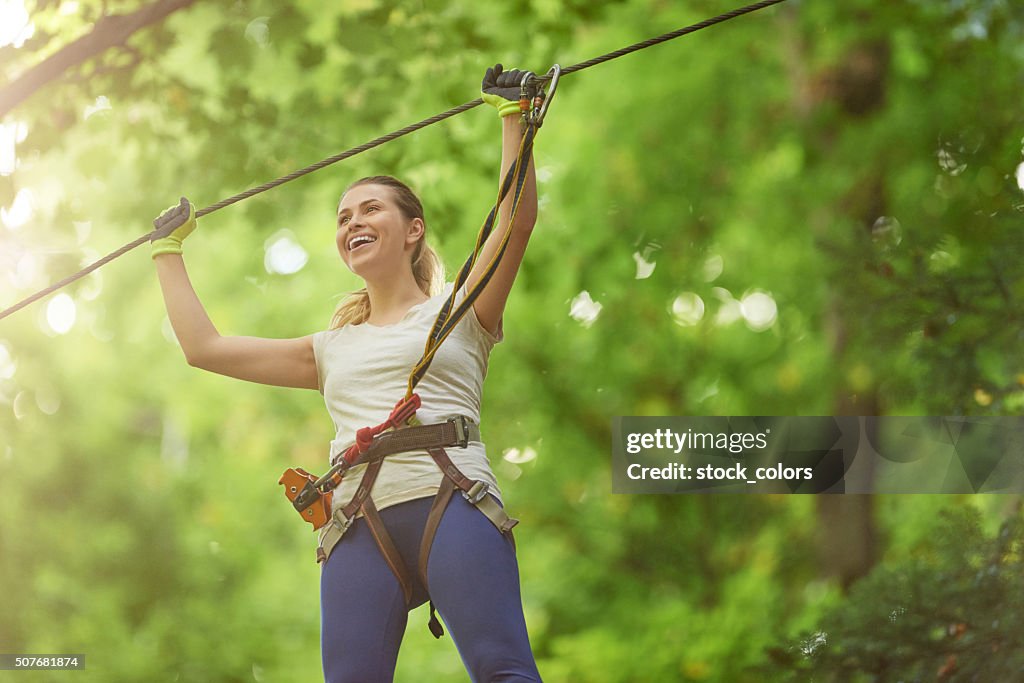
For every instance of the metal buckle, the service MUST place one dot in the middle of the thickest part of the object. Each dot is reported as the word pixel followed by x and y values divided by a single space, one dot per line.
pixel 461 425
pixel 329 482
pixel 477 492
pixel 342 526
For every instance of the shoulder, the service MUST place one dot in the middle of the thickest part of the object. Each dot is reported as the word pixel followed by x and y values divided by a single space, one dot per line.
pixel 328 334
pixel 470 322
pixel 324 337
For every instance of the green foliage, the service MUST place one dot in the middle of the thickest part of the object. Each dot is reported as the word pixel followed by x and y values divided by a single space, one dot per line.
pixel 856 162
pixel 950 610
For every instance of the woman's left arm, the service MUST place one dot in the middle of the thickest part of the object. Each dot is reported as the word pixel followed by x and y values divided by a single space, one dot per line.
pixel 490 305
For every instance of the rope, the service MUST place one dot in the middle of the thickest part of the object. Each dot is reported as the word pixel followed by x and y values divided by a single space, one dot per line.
pixel 376 143
pixel 447 318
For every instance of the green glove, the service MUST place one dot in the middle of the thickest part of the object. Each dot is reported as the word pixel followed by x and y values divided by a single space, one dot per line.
pixel 172 227
pixel 501 89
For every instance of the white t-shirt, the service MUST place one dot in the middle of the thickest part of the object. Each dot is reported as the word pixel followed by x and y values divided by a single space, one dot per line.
pixel 364 370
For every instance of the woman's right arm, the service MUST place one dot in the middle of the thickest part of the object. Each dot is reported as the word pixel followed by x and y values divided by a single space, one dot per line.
pixel 280 362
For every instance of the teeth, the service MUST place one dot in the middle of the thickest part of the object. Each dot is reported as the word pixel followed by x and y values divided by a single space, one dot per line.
pixel 360 239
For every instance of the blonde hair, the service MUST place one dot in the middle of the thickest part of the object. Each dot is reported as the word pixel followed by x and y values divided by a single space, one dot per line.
pixel 427 267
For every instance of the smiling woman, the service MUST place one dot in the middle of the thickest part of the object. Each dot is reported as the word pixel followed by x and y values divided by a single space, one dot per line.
pixel 388 515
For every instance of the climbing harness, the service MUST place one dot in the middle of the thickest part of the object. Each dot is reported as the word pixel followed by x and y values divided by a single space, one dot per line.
pixel 376 142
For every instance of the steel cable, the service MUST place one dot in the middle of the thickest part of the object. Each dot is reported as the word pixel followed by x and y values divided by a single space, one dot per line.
pixel 376 143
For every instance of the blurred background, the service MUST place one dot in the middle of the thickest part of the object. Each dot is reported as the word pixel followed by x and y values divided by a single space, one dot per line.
pixel 815 209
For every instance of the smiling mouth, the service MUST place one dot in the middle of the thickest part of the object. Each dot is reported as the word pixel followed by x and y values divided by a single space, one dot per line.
pixel 360 240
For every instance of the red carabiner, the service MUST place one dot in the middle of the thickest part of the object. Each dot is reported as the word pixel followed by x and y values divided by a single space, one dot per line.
pixel 403 412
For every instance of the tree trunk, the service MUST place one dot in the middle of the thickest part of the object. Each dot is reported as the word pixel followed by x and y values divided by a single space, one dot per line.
pixel 856 85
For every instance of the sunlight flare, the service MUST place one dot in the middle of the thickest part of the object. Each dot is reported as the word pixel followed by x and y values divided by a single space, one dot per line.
pixel 15 26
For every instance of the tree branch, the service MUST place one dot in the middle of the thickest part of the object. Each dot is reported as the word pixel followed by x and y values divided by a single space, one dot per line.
pixel 109 31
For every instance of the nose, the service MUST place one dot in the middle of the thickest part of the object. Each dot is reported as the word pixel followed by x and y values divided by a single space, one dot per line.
pixel 356 221
pixel 355 224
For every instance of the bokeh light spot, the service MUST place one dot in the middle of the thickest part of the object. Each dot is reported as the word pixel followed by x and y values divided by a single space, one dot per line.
pixel 584 309
pixel 518 456
pixel 713 267
pixel 645 262
pixel 284 255
pixel 759 310
pixel 101 104
pixel 15 27
pixel 687 309
pixel 729 312
pixel 887 232
pixel 61 313
pixel 7 365
pixel 258 31
pixel 48 400
pixel 10 135
pixel 21 211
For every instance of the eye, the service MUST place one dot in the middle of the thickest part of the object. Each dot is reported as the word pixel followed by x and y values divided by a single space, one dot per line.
pixel 372 208
pixel 343 220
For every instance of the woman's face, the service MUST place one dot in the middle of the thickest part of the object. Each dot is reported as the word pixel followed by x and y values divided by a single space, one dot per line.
pixel 374 238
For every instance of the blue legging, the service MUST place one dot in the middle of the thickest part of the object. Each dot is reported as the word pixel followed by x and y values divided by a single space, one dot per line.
pixel 473 580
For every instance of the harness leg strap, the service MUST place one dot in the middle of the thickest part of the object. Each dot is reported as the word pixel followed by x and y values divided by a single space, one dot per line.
pixel 474 491
pixel 332 536
pixel 388 548
pixel 437 508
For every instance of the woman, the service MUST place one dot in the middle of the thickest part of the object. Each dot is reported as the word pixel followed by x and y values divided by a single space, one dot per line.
pixel 361 365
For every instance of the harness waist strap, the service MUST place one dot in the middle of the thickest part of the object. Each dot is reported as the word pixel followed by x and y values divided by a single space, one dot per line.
pixel 455 432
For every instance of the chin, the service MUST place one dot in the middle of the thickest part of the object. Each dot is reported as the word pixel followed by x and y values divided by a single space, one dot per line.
pixel 370 270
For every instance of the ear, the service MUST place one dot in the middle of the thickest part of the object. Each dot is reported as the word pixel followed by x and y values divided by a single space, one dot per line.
pixel 415 231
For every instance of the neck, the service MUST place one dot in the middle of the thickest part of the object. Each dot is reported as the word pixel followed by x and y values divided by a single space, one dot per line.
pixel 392 298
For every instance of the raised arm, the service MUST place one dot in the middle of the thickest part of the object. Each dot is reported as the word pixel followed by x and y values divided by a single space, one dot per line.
pixel 500 89
pixel 280 362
